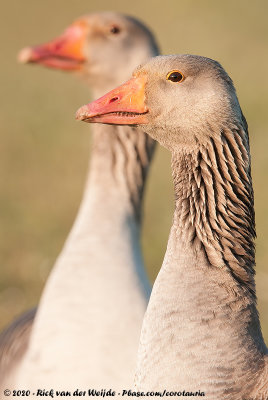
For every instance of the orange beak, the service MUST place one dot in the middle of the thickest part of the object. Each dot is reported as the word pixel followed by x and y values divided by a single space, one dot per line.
pixel 66 52
pixel 124 105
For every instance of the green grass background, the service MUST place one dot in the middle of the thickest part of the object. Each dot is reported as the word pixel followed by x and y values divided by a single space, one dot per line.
pixel 44 152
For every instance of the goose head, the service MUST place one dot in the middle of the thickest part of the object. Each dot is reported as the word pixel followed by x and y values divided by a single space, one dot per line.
pixel 179 100
pixel 103 47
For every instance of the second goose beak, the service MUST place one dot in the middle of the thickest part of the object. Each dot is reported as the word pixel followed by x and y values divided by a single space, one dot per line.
pixel 65 52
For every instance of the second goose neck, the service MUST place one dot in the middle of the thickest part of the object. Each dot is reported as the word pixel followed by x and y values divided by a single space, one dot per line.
pixel 119 164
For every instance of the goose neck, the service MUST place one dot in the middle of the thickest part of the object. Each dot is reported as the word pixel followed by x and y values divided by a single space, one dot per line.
pixel 215 205
pixel 119 164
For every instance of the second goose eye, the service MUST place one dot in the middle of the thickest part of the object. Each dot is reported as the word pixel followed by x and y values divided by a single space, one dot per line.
pixel 175 76
pixel 114 30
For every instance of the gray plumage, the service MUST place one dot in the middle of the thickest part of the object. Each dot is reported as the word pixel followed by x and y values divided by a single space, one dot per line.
pixel 14 342
pixel 201 330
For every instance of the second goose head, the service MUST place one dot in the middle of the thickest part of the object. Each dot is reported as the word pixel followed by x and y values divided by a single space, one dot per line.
pixel 102 47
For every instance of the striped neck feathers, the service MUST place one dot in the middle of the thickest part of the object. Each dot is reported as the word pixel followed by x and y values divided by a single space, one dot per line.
pixel 215 203
pixel 125 154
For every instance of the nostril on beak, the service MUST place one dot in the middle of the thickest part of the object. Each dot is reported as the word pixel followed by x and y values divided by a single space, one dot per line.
pixel 113 99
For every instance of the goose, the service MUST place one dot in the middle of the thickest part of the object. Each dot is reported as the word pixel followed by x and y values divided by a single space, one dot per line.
pixel 86 330
pixel 201 333
pixel 13 344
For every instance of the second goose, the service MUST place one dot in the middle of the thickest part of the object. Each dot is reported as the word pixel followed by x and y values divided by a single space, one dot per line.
pixel 88 322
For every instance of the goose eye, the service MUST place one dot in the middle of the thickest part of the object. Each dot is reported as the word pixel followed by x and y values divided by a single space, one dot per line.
pixel 175 76
pixel 115 30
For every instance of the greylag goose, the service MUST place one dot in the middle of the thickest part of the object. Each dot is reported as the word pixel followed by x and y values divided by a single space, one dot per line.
pixel 87 327
pixel 201 332
pixel 13 344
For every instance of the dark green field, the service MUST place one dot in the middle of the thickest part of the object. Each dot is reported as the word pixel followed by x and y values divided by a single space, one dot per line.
pixel 44 152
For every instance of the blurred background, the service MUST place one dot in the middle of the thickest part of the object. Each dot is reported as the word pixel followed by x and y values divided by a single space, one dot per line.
pixel 44 152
